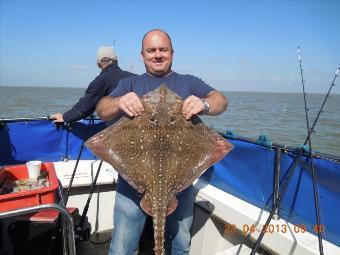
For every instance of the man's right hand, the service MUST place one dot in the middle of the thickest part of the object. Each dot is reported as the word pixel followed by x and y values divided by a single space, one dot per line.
pixel 58 117
pixel 131 104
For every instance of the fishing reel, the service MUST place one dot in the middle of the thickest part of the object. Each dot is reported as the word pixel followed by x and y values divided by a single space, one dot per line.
pixel 82 228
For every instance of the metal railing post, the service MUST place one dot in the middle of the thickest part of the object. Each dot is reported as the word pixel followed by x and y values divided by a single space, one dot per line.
pixel 66 215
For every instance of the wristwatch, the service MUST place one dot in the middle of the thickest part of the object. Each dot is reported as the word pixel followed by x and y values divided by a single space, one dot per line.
pixel 206 105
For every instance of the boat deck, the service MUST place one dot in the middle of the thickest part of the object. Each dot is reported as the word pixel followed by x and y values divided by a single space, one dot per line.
pixel 43 239
pixel 99 244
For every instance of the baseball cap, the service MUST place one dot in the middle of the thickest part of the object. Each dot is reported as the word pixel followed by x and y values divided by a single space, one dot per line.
pixel 105 52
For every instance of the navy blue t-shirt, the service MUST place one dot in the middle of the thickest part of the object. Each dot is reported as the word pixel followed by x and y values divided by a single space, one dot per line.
pixel 182 85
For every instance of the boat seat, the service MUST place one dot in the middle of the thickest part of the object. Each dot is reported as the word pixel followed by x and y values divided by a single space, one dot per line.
pixel 47 216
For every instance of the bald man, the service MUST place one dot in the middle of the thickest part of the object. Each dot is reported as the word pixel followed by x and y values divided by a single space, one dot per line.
pixel 200 98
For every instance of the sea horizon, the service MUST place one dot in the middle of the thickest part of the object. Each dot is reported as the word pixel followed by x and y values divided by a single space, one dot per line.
pixel 241 91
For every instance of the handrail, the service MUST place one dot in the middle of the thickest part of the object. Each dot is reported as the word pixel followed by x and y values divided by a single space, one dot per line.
pixel 276 186
pixel 62 210
pixel 285 148
pixel 48 117
pixel 10 120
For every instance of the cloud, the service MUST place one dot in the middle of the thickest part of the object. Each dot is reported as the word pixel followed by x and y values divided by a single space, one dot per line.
pixel 81 67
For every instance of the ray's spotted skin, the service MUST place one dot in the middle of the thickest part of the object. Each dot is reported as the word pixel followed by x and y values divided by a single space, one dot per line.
pixel 159 153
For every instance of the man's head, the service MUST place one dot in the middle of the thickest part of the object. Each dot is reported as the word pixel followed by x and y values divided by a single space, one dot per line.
pixel 157 52
pixel 105 56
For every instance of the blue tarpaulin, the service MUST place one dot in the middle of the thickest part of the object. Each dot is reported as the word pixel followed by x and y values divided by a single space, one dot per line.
pixel 247 172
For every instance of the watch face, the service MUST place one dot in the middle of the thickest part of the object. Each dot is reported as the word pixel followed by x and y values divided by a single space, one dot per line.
pixel 206 105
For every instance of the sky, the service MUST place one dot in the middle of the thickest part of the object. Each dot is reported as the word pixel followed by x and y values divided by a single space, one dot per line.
pixel 232 45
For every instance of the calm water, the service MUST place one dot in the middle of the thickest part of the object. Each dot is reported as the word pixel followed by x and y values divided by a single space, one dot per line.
pixel 280 116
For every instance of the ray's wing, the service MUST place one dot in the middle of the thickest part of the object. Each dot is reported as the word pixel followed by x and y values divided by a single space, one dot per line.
pixel 126 146
pixel 193 148
pixel 207 148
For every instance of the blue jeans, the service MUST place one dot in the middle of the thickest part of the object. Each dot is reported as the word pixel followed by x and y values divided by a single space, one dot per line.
pixel 129 220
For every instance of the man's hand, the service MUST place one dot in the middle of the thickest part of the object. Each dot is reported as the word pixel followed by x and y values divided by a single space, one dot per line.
pixel 191 106
pixel 58 117
pixel 131 104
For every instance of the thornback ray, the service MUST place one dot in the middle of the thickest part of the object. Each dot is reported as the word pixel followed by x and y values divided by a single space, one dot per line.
pixel 159 153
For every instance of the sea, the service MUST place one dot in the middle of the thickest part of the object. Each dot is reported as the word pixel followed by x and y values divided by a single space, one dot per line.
pixel 279 116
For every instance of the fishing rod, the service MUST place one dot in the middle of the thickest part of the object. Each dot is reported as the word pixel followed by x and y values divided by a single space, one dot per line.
pixel 10 120
pixel 292 168
pixel 91 122
pixel 314 174
pixel 20 119
pixel 80 228
pixel 131 67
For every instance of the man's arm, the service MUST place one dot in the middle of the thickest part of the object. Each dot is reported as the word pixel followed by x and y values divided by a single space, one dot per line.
pixel 109 107
pixel 194 105
pixel 218 103
pixel 86 104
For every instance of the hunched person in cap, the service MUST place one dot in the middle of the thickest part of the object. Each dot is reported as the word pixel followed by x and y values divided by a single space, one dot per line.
pixel 101 86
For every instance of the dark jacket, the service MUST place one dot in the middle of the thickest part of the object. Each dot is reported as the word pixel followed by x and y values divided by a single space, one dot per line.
pixel 101 86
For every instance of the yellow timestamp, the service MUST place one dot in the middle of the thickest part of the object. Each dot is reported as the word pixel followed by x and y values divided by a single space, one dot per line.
pixel 271 228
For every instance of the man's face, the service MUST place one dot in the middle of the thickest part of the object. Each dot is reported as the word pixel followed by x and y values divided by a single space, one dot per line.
pixel 157 53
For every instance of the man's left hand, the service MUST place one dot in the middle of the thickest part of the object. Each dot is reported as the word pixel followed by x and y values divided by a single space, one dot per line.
pixel 191 106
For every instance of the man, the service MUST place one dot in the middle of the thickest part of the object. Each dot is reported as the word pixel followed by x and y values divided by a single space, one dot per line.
pixel 200 98
pixel 101 86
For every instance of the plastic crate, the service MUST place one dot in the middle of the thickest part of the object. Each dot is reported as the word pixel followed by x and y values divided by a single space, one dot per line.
pixel 27 198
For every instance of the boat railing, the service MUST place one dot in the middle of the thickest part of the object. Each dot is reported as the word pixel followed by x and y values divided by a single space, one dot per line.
pixel 67 224
pixel 228 134
pixel 282 147
pixel 48 117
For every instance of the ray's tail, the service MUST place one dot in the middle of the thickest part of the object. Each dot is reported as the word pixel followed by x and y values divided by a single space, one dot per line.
pixel 159 229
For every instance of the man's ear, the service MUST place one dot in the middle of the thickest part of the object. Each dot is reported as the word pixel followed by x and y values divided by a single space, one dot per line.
pixel 141 55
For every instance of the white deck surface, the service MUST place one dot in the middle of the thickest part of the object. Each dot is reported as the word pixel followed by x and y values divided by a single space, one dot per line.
pixel 209 239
